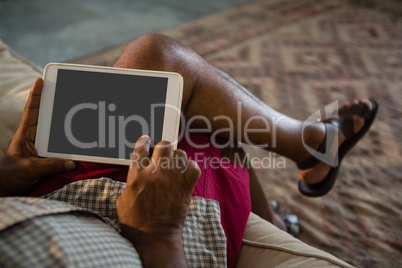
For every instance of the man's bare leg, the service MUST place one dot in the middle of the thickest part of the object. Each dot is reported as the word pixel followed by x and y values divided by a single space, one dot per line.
pixel 260 204
pixel 209 92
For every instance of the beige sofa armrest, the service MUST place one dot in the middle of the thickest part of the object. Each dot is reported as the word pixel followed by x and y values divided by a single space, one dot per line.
pixel 16 78
pixel 264 245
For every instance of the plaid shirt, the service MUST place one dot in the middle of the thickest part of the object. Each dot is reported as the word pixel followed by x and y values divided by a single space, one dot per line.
pixel 77 226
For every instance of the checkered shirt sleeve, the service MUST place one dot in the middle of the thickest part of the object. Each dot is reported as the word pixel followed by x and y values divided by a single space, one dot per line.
pixel 88 205
pixel 41 233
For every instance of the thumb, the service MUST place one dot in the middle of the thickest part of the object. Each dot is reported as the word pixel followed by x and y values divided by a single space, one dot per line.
pixel 192 174
pixel 50 166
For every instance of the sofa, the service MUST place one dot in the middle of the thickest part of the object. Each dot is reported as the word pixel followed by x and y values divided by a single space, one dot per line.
pixel 264 245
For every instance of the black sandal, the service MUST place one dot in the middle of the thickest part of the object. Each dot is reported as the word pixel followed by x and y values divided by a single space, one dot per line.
pixel 345 124
pixel 291 220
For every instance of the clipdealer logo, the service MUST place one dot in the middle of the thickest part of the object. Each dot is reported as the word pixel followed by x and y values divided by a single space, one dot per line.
pixel 330 156
pixel 112 121
pixel 117 125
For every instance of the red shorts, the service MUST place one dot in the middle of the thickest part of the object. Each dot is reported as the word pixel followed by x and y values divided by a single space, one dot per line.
pixel 220 180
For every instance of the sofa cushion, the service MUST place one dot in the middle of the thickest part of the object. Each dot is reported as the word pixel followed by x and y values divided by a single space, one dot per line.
pixel 264 245
pixel 16 78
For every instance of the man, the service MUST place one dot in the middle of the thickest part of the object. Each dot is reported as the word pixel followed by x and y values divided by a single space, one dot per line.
pixel 210 93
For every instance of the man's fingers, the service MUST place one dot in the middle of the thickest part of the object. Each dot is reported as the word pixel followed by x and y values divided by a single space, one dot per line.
pixel 192 174
pixel 189 168
pixel 163 153
pixel 140 156
pixel 50 166
pixel 179 160
pixel 29 117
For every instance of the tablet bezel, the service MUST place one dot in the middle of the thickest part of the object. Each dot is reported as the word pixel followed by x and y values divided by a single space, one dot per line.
pixel 170 123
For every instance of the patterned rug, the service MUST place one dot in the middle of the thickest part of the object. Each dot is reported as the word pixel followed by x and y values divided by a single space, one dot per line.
pixel 298 56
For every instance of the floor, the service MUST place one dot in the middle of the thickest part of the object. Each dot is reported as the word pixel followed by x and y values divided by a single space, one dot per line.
pixel 46 31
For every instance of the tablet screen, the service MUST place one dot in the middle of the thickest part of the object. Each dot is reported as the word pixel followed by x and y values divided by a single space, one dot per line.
pixel 103 114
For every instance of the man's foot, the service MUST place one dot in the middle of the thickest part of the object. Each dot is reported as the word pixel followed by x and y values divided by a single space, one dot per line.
pixel 354 119
pixel 285 220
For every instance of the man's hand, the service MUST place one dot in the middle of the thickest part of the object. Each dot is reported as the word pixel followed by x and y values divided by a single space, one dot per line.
pixel 155 203
pixel 21 167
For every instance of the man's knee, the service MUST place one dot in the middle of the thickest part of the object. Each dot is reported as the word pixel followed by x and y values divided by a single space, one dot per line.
pixel 150 51
pixel 152 43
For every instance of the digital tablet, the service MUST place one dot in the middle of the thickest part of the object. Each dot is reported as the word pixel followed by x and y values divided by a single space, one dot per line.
pixel 96 114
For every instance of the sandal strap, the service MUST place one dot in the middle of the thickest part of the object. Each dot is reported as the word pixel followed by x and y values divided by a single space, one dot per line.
pixel 344 124
pixel 360 109
pixel 312 161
